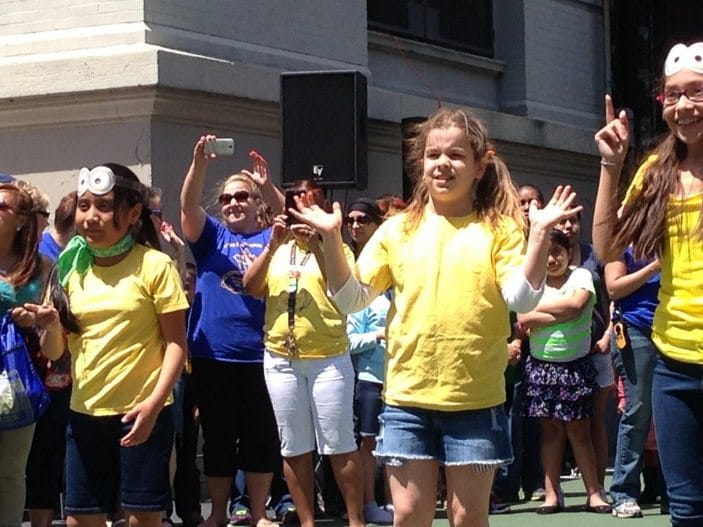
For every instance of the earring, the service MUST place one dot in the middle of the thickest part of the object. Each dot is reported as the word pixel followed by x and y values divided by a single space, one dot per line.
pixel 19 229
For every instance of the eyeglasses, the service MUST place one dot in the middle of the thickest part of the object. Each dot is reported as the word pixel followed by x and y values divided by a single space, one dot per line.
pixel 44 213
pixel 4 206
pixel 361 220
pixel 670 97
pixel 239 196
pixel 157 213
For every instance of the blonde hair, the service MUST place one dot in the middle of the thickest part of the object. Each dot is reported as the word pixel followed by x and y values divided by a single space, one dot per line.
pixel 264 215
pixel 495 195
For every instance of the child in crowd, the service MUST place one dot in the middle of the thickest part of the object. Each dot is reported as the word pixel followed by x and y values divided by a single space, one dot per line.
pixel 454 261
pixel 560 379
pixel 661 218
pixel 123 303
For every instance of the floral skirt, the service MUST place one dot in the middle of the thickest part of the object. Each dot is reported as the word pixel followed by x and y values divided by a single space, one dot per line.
pixel 559 390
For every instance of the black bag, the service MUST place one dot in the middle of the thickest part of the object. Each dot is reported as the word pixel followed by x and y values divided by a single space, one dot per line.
pixel 23 396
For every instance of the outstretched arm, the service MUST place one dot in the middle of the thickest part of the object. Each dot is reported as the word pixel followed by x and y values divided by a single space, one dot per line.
pixel 193 216
pixel 260 174
pixel 612 141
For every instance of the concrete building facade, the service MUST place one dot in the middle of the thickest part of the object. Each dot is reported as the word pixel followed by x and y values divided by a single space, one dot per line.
pixel 137 81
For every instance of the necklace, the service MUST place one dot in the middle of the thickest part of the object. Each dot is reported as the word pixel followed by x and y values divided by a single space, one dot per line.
pixel 293 278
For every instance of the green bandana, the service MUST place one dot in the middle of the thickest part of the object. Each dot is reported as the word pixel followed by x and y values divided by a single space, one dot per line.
pixel 78 256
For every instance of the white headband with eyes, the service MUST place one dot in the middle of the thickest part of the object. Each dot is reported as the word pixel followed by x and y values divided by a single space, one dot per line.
pixel 682 57
pixel 101 180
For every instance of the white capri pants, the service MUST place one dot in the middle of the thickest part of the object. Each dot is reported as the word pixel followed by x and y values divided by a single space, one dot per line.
pixel 313 402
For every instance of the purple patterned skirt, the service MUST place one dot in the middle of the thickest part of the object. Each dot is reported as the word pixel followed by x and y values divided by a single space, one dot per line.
pixel 559 390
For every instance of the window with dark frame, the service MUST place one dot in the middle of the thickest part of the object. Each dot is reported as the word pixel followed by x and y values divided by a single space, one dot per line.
pixel 466 25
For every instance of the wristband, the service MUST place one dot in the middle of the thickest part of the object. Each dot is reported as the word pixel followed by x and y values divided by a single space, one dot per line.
pixel 606 163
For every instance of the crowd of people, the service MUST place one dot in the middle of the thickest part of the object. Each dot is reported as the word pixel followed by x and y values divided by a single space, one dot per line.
pixel 469 333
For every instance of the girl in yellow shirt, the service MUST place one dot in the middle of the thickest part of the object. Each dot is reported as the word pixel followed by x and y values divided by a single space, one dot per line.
pixel 661 218
pixel 455 262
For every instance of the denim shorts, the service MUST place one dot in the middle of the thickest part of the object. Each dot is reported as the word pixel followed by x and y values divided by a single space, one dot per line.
pixel 368 407
pixel 98 469
pixel 468 437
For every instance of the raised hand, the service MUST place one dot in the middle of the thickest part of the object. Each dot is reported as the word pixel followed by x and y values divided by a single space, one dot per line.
pixel 613 139
pixel 200 156
pixel 279 232
pixel 311 214
pixel 558 208
pixel 260 168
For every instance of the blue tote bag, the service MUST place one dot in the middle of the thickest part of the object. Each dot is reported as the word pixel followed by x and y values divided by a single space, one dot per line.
pixel 23 396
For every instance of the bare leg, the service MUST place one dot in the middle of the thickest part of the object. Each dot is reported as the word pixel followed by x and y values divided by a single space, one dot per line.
pixel 553 443
pixel 368 443
pixel 468 493
pixel 144 519
pixel 220 489
pixel 579 433
pixel 414 491
pixel 299 477
pixel 41 517
pixel 347 472
pixel 86 520
pixel 259 487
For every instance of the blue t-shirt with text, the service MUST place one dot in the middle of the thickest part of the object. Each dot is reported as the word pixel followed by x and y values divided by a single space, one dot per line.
pixel 226 324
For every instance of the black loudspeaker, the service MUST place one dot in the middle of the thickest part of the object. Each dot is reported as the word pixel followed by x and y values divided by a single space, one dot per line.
pixel 324 128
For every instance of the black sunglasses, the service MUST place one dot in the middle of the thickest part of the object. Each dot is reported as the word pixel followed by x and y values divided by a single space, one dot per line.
pixel 361 220
pixel 239 196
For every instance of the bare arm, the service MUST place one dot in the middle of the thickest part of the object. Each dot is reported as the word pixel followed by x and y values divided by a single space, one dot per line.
pixel 621 284
pixel 565 308
pixel 193 215
pixel 145 413
pixel 271 194
pixel 612 141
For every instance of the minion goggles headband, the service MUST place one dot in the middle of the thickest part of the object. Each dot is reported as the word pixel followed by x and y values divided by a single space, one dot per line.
pixel 683 57
pixel 101 180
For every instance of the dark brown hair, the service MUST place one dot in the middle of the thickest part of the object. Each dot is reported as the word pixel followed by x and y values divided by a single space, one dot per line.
pixel 643 219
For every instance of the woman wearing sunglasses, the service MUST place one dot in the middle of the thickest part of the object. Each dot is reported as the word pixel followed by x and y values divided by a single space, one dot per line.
pixel 225 331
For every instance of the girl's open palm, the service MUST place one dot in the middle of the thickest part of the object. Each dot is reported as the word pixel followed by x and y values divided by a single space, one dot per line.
pixel 316 217
pixel 558 208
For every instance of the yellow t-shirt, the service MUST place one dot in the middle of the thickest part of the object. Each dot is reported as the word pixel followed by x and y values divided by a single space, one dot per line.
pixel 677 329
pixel 320 328
pixel 448 323
pixel 117 356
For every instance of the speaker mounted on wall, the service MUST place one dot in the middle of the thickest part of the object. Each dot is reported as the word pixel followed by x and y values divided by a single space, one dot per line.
pixel 323 115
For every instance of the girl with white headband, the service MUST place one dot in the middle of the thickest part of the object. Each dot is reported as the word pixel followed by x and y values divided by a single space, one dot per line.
pixel 122 302
pixel 661 218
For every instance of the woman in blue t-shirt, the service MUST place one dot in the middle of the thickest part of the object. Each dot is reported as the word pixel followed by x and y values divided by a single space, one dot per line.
pixel 225 331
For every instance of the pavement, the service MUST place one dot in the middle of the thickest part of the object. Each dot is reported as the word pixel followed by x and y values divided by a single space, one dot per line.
pixel 523 514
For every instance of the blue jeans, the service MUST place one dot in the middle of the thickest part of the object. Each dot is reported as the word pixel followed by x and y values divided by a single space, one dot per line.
pixel 678 420
pixel 635 366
